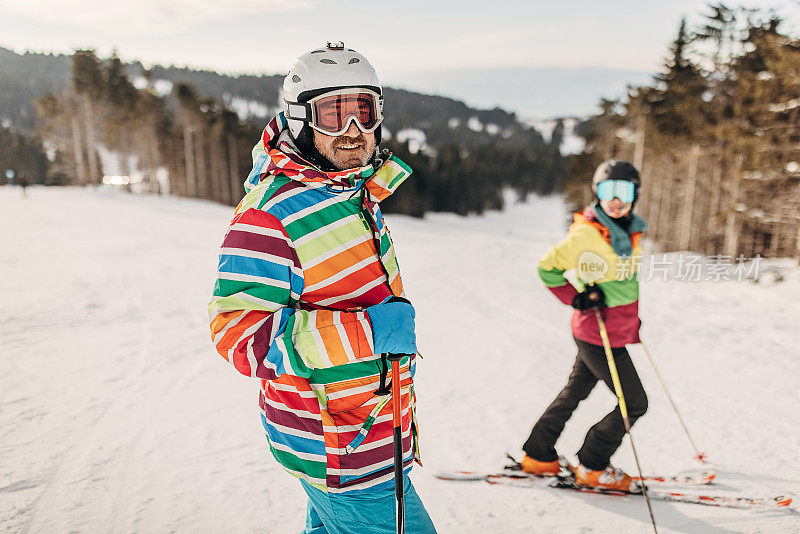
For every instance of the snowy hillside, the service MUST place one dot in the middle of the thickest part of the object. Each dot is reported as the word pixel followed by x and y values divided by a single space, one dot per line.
pixel 118 416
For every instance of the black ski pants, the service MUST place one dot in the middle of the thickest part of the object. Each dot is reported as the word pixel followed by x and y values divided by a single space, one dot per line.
pixel 605 437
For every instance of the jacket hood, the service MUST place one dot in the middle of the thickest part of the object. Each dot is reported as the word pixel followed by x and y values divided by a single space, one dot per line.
pixel 276 154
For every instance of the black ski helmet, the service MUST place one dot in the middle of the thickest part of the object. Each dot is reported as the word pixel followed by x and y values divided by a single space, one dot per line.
pixel 617 169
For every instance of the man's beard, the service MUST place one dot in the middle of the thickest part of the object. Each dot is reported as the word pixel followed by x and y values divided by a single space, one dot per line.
pixel 344 158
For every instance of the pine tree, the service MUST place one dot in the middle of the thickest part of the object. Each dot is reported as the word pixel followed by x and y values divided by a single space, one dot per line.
pixel 675 104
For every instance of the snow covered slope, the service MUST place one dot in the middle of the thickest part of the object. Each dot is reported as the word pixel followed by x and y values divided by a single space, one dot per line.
pixel 117 416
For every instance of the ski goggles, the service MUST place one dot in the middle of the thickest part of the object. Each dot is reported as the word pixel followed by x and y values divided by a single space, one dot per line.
pixel 621 189
pixel 331 113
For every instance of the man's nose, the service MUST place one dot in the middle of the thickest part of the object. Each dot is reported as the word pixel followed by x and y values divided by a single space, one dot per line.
pixel 352 130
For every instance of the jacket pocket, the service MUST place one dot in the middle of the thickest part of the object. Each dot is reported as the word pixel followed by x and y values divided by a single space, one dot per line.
pixel 358 429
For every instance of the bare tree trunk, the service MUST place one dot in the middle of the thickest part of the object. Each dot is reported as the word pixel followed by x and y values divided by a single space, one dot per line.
pixel 190 189
pixel 652 194
pixel 608 150
pixel 234 181
pixel 665 223
pixel 178 180
pixel 797 240
pixel 701 213
pixel 645 193
pixel 77 148
pixel 155 157
pixel 733 230
pixel 733 224
pixel 91 142
pixel 716 197
pixel 146 163
pixel 759 245
pixel 688 203
pixel 222 170
pixel 139 149
pixel 775 239
pixel 787 229
pixel 201 167
pixel 122 154
pixel 218 191
pixel 211 166
pixel 659 209
pixel 638 152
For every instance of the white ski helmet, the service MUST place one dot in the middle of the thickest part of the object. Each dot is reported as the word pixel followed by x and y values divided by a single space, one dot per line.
pixel 323 70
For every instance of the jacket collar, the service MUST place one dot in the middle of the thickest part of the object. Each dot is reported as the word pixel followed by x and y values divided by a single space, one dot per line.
pixel 275 154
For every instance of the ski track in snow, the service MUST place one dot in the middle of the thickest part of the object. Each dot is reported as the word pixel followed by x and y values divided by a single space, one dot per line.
pixel 116 415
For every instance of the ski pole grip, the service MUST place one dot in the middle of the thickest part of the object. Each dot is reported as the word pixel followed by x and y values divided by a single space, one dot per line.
pixel 383 387
pixel 396 357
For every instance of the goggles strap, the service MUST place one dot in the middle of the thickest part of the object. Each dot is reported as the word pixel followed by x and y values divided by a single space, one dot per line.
pixel 298 111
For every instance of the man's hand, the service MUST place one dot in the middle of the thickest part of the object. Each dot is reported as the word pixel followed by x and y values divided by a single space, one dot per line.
pixel 393 326
pixel 591 297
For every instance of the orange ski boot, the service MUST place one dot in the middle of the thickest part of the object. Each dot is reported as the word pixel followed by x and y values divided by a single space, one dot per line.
pixel 542 469
pixel 610 478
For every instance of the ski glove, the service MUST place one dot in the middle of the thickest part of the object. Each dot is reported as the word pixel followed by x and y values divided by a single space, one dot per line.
pixel 393 326
pixel 591 297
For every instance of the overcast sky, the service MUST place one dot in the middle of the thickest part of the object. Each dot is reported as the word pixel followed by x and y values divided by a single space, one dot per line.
pixel 408 36
pixel 405 40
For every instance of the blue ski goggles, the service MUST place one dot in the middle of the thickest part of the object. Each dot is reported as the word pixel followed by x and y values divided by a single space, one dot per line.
pixel 621 189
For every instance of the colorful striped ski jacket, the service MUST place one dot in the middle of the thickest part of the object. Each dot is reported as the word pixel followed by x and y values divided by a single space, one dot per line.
pixel 587 250
pixel 305 254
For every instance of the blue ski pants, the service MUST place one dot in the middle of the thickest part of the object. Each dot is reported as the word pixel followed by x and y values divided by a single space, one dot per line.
pixel 370 512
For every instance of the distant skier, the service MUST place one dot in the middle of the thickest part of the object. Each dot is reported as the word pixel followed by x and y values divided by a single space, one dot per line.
pixel 309 296
pixel 603 247
pixel 23 183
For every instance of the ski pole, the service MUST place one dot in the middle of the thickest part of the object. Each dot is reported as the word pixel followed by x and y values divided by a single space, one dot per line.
pixel 612 367
pixel 699 456
pixel 398 442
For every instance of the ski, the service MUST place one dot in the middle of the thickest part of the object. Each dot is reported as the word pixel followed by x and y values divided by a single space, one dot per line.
pixel 684 478
pixel 656 487
pixel 725 501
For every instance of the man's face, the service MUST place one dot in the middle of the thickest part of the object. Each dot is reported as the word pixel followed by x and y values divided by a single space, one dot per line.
pixel 350 150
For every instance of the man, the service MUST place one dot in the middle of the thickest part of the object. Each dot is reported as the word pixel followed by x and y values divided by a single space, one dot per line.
pixel 23 183
pixel 309 296
pixel 602 242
